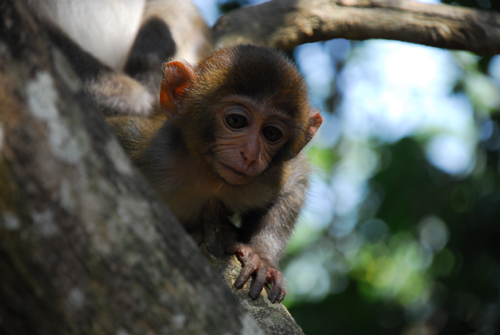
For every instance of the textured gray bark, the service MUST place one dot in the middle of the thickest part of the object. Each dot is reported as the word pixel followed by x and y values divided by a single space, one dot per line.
pixel 85 246
pixel 287 23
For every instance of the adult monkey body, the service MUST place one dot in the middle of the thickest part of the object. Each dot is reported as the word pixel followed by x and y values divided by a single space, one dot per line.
pixel 230 131
pixel 117 47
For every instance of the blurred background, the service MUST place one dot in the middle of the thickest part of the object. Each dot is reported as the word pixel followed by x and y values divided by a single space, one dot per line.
pixel 401 232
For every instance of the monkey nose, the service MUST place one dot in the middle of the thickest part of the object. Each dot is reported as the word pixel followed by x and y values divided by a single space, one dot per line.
pixel 248 158
pixel 250 151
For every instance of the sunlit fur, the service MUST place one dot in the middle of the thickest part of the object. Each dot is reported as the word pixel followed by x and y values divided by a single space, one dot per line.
pixel 261 74
pixel 180 148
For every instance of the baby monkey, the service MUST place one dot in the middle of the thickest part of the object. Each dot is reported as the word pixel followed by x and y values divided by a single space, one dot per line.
pixel 230 131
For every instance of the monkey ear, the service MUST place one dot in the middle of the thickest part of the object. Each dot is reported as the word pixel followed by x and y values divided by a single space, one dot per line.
pixel 315 120
pixel 176 79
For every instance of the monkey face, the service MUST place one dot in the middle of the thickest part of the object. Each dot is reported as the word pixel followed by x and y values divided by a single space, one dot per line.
pixel 248 135
pixel 243 108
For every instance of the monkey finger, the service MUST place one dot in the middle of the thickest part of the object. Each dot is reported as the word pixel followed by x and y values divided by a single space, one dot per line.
pixel 282 296
pixel 258 284
pixel 276 278
pixel 245 273
pixel 277 294
pixel 239 249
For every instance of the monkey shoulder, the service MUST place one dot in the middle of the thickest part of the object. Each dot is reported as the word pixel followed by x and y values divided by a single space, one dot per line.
pixel 135 128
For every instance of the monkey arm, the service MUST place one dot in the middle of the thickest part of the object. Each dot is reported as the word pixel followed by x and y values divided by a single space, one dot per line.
pixel 265 234
pixel 113 92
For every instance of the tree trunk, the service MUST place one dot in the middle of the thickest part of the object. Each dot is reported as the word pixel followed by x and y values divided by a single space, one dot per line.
pixel 85 245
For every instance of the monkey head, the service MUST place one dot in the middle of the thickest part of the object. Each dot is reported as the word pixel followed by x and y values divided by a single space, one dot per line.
pixel 244 108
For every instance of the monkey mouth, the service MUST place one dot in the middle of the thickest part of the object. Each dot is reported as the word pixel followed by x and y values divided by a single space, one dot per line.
pixel 231 175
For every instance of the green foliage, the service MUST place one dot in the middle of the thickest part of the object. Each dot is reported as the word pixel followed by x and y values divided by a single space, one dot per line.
pixel 322 158
pixel 423 254
pixel 421 251
pixel 415 268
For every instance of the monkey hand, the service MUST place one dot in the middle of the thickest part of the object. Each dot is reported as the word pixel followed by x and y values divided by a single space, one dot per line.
pixel 265 273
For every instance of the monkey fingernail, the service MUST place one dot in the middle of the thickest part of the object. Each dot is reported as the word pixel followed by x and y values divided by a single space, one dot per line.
pixel 254 292
pixel 273 297
pixel 282 296
pixel 239 283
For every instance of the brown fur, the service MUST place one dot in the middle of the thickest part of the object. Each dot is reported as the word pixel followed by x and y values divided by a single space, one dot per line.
pixel 180 148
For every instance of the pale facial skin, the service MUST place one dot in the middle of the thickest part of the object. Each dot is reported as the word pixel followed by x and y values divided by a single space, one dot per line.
pixel 247 139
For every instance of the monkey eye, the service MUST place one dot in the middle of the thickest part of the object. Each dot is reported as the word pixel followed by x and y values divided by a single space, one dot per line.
pixel 236 121
pixel 272 134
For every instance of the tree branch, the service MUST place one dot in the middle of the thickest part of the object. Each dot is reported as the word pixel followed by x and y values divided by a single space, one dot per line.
pixel 287 23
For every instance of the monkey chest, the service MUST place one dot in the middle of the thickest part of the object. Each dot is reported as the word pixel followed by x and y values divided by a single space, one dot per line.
pixel 190 206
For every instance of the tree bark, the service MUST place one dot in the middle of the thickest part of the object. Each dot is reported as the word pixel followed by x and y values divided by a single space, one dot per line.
pixel 85 246
pixel 285 24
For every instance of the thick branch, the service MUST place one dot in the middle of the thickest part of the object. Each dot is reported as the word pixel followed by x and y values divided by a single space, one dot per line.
pixel 85 246
pixel 287 23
